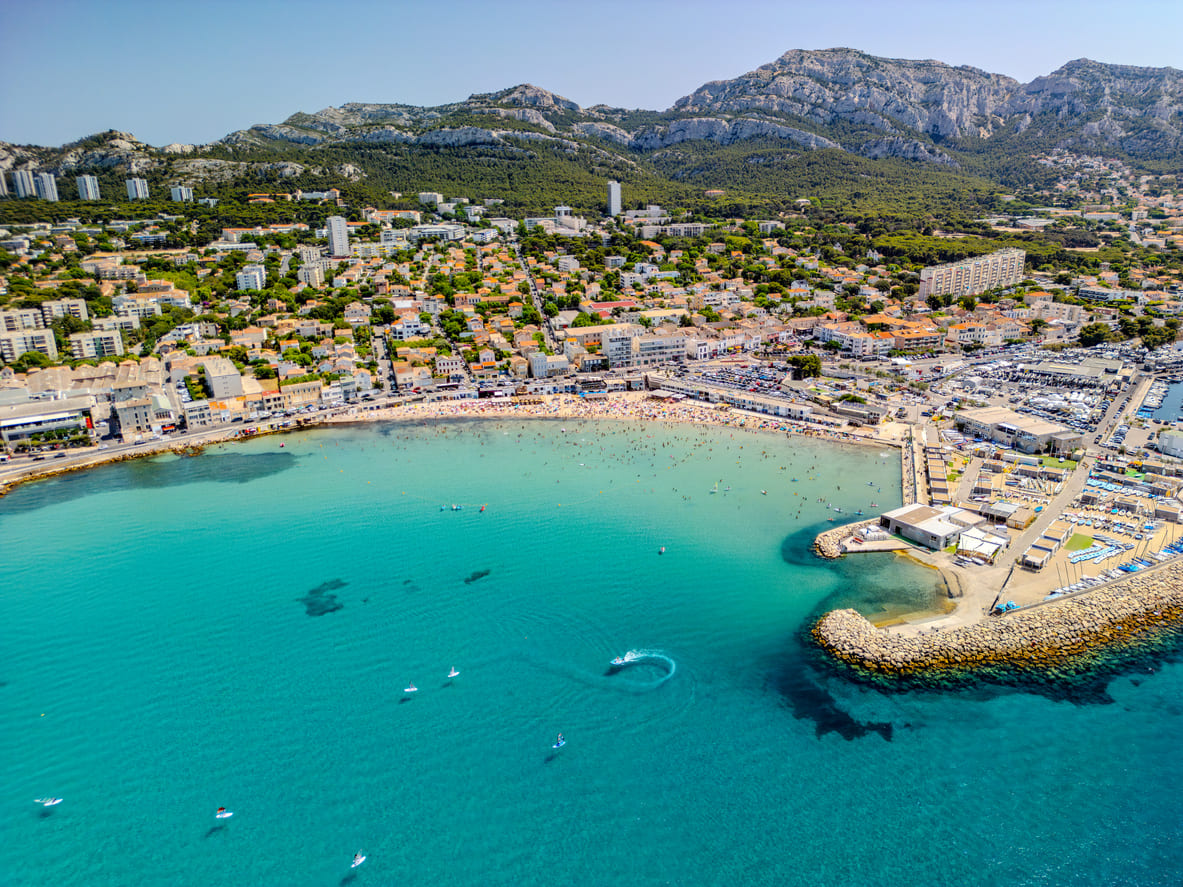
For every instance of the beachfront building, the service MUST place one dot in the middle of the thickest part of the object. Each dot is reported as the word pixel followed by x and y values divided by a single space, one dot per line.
pixel 30 423
pixel 745 400
pixel 970 277
pixel 222 377
pixel 1024 433
pixel 935 528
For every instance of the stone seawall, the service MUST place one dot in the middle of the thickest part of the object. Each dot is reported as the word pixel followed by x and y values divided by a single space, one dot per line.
pixel 1061 638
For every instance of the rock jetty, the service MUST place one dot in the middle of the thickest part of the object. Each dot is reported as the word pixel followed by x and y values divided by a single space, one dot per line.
pixel 828 544
pixel 1062 637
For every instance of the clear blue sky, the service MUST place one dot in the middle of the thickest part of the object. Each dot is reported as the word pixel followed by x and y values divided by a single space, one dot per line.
pixel 174 71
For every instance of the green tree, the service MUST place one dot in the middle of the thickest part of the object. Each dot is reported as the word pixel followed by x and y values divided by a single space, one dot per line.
pixel 806 366
pixel 1094 334
pixel 30 360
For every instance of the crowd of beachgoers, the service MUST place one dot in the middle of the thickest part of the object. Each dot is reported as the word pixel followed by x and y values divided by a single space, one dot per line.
pixel 629 407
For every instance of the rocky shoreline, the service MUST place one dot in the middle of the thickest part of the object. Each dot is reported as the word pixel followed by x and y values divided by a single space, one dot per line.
pixel 1064 638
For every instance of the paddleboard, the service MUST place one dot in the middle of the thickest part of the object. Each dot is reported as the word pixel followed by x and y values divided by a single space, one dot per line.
pixel 358 861
pixel 48 802
pixel 225 814
pixel 559 744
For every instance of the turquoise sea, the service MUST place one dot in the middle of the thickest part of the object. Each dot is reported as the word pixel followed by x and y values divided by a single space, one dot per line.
pixel 237 629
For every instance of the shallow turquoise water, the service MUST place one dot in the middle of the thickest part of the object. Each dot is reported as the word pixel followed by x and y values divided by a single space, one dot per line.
pixel 159 660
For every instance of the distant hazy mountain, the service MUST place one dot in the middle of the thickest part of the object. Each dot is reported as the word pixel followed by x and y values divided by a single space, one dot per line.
pixel 840 100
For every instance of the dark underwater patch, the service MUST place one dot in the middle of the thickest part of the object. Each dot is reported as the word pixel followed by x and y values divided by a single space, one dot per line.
pixel 475 575
pixel 321 599
pixel 803 691
pixel 146 473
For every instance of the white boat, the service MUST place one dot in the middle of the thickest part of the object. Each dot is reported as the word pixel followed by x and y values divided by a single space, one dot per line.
pixel 453 673
pixel 358 859
pixel 47 802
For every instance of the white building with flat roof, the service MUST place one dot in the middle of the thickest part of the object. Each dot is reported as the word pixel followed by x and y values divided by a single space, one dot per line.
pixel 181 194
pixel 22 183
pixel 338 234
pixel 88 188
pixel 13 345
pixel 251 277
pixel 137 189
pixel 223 378
pixel 970 277
pixel 46 186
pixel 614 198
pixel 100 343
pixel 932 527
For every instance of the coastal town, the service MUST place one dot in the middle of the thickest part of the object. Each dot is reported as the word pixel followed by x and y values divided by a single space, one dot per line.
pixel 706 458
pixel 1036 410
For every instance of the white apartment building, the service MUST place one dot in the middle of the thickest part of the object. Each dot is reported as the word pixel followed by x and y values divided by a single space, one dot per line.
pixel 13 345
pixel 132 305
pixel 88 188
pixel 338 234
pixel 22 182
pixel 16 320
pixel 46 186
pixel 101 343
pixel 433 198
pixel 251 277
pixel 75 308
pixel 222 377
pixel 3 185
pixel 117 322
pixel 443 232
pixel 312 275
pixel 181 194
pixel 308 254
pixel 137 189
pixel 614 198
pixel 1049 310
pixel 970 277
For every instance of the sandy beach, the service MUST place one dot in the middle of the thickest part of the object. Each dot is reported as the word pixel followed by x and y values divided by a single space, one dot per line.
pixel 628 407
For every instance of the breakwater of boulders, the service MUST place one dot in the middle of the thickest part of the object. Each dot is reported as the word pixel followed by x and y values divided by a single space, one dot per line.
pixel 1061 639
pixel 828 544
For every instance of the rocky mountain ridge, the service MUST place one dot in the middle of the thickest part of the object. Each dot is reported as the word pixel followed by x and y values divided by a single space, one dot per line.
pixel 837 99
